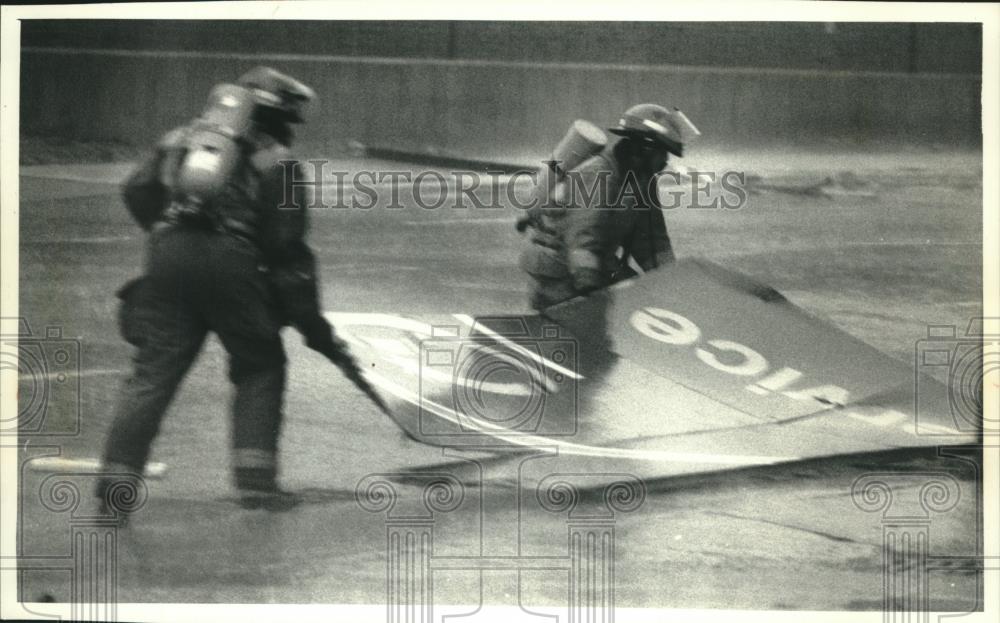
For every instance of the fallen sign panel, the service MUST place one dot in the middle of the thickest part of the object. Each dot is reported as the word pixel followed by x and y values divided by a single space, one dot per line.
pixel 690 368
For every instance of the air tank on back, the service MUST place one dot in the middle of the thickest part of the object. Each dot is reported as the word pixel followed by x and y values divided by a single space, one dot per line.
pixel 214 143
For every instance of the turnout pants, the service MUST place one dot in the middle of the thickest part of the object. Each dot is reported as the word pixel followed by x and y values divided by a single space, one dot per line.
pixel 198 282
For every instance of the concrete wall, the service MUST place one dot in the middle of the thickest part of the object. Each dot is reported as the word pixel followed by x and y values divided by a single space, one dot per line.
pixel 898 47
pixel 490 108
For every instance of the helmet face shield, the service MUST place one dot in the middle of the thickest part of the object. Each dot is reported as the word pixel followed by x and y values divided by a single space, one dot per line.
pixel 671 128
pixel 304 109
pixel 273 89
pixel 687 130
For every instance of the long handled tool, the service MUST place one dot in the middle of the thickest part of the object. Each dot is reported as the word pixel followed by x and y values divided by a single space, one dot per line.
pixel 323 340
pixel 349 367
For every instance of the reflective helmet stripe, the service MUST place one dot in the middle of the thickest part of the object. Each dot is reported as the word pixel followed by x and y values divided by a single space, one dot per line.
pixel 656 126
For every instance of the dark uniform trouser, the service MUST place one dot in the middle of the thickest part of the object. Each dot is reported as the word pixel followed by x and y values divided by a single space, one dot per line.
pixel 200 281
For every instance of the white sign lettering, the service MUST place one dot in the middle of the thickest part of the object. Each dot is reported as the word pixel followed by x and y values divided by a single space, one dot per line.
pixel 665 326
pixel 675 329
pixel 753 362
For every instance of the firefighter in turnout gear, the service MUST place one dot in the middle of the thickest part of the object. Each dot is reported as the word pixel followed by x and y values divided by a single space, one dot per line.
pixel 604 211
pixel 209 198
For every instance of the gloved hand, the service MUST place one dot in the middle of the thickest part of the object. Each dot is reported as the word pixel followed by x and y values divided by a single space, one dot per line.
pixel 543 236
pixel 523 222
pixel 662 258
pixel 624 272
pixel 320 336
pixel 665 257
pixel 586 280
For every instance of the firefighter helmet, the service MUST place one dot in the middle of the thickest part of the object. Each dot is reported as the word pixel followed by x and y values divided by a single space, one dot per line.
pixel 273 89
pixel 652 122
